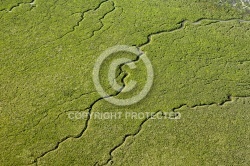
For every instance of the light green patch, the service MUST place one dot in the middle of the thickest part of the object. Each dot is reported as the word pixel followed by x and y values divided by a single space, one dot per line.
pixel 205 135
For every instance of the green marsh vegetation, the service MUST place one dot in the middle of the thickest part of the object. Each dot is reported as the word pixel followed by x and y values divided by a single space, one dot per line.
pixel 200 54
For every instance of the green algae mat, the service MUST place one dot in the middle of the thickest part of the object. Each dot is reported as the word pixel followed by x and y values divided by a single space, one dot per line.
pixel 132 82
